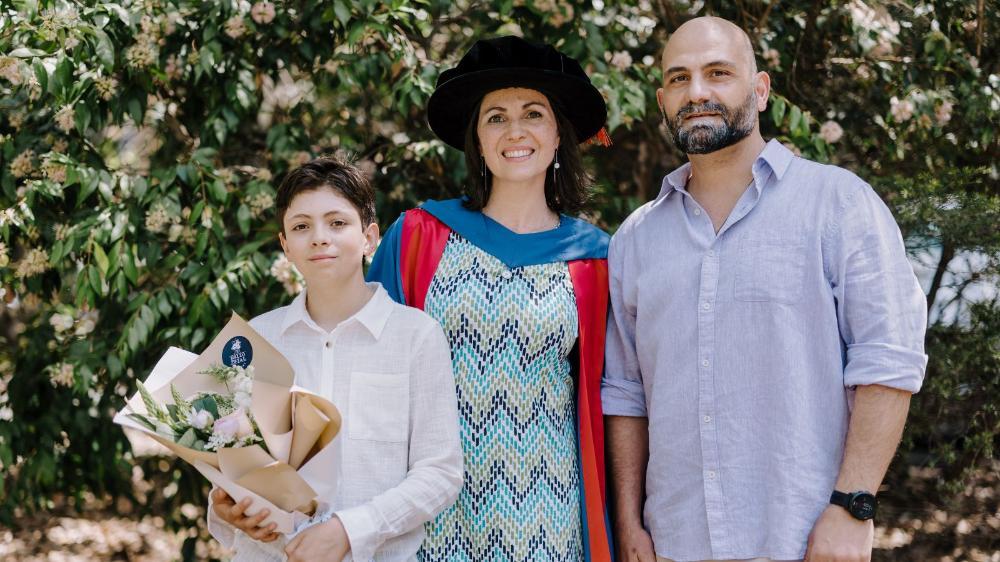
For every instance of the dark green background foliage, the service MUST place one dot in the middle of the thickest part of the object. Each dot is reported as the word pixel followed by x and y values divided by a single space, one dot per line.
pixel 157 130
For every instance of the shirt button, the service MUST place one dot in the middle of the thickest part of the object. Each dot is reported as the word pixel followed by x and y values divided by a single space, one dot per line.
pixel 697 212
pixel 707 419
pixel 706 306
pixel 329 344
pixel 506 274
pixel 711 253
pixel 711 474
pixel 704 362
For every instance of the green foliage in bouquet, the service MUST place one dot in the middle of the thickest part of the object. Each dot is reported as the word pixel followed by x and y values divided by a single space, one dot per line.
pixel 140 143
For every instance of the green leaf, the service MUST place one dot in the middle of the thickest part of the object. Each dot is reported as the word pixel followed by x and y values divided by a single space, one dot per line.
pixel 95 280
pixel 26 53
pixel 82 116
pixel 795 117
pixel 207 403
pixel 41 74
pixel 778 111
pixel 117 10
pixel 104 49
pixel 243 218
pixel 343 12
pixel 188 439
pixel 101 258
pixel 144 421
pixel 217 190
pixel 128 266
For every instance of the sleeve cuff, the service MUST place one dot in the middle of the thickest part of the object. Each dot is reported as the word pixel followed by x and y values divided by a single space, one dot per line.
pixel 887 365
pixel 621 397
pixel 361 532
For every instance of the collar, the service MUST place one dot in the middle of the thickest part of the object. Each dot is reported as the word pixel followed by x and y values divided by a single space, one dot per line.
pixel 373 315
pixel 774 158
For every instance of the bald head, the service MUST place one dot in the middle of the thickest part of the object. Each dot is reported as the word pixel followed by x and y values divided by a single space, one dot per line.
pixel 710 33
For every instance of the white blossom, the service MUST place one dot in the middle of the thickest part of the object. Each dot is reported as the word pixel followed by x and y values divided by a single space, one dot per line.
pixel 106 86
pixel 61 322
pixel 235 27
pixel 54 171
pixel 259 203
pixel 772 57
pixel 22 165
pixel 157 218
pixel 34 262
pixel 262 12
pixel 61 374
pixel 200 419
pixel 65 118
pixel 901 110
pixel 942 113
pixel 11 70
pixel 87 323
pixel 285 272
pixel 831 131
pixel 621 60
pixel 142 54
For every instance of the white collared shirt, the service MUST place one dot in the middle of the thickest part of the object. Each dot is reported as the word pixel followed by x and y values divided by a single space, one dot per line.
pixel 388 370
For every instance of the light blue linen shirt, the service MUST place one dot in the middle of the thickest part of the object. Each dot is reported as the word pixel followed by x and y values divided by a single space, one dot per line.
pixel 742 349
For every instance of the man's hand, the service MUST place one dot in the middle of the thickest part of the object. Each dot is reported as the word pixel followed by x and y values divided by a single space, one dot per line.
pixel 634 545
pixel 838 537
pixel 327 541
pixel 235 514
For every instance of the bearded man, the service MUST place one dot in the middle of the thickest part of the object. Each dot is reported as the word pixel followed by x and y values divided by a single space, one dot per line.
pixel 765 336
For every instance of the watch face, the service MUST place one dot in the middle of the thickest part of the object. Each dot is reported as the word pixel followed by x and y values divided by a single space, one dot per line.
pixel 863 506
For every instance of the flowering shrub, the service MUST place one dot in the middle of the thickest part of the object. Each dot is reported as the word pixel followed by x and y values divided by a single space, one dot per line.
pixel 140 142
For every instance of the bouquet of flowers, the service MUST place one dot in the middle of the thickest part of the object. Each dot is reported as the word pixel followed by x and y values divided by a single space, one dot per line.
pixel 242 423
pixel 207 421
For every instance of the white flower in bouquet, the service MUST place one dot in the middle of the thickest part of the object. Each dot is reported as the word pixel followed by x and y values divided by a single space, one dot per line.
pixel 200 419
pixel 243 387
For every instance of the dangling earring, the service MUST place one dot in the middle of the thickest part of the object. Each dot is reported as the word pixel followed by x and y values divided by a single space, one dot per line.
pixel 482 164
pixel 555 166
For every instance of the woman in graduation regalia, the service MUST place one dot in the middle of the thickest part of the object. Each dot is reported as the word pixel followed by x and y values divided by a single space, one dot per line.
pixel 520 287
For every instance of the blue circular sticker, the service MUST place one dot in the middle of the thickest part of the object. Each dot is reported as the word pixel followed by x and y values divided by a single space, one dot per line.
pixel 237 352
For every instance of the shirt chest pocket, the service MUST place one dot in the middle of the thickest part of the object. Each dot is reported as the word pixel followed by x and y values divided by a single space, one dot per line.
pixel 770 270
pixel 379 407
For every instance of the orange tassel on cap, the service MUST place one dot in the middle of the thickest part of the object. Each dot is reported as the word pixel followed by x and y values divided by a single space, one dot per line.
pixel 602 138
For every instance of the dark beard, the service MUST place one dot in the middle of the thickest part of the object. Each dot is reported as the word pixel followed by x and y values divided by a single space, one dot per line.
pixel 736 125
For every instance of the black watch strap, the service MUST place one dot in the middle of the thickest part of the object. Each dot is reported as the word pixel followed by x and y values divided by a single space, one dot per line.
pixel 862 504
pixel 842 499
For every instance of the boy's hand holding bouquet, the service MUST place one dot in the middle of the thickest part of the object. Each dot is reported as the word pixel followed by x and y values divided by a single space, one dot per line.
pixel 234 414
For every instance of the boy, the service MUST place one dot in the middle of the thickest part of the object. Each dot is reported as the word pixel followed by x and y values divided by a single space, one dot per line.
pixel 385 366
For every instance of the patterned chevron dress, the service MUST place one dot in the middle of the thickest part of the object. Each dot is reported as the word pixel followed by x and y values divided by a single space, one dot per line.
pixel 511 331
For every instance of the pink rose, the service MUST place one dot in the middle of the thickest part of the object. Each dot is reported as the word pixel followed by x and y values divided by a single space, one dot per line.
pixel 234 426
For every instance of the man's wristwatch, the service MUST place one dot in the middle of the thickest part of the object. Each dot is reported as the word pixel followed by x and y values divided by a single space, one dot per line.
pixel 862 505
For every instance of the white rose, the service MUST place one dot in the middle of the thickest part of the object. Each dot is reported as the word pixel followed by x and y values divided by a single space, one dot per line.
pixel 200 419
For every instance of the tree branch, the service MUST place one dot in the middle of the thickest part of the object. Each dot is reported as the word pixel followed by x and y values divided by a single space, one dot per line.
pixel 947 253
